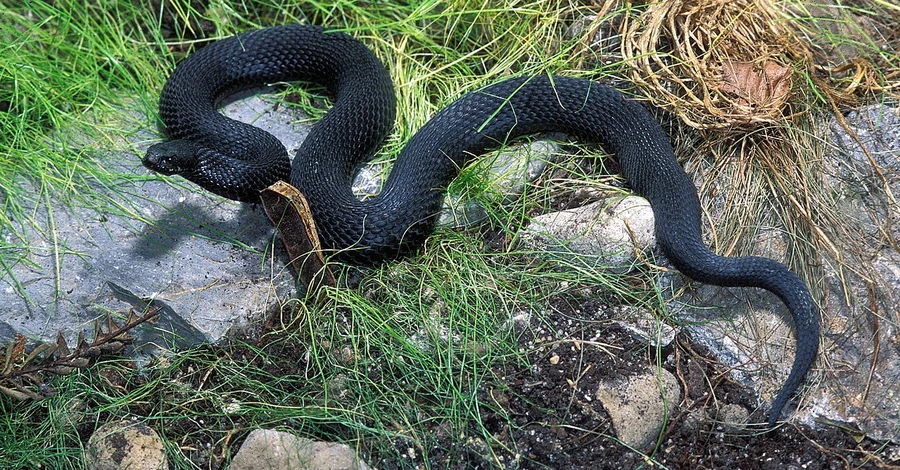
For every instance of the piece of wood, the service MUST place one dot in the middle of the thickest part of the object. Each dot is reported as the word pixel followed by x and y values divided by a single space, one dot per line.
pixel 289 212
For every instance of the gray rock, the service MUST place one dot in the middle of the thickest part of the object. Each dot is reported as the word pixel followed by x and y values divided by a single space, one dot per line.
pixel 858 294
pixel 125 445
pixel 266 449
pixel 207 260
pixel 508 172
pixel 68 261
pixel 640 405
pixel 645 327
pixel 606 233
pixel 505 176
pixel 747 329
pixel 733 418
pixel 860 317
pixel 862 295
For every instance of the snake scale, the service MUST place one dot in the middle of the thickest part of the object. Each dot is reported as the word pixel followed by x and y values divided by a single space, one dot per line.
pixel 237 160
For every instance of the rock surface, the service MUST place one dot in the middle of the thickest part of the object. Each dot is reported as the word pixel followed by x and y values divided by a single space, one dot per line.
pixel 607 234
pixel 125 445
pixel 862 296
pixel 857 291
pixel 751 331
pixel 214 263
pixel 640 405
pixel 209 260
pixel 266 449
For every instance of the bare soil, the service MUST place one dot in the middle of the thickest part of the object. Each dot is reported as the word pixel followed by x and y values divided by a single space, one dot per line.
pixel 545 417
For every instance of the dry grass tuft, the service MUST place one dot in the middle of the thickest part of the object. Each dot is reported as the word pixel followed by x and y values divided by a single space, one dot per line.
pixel 762 83
pixel 726 62
pixel 745 74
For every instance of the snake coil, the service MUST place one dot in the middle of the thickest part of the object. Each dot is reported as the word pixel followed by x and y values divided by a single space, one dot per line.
pixel 237 160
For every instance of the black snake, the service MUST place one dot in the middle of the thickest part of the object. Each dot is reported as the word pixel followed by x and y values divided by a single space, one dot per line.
pixel 237 160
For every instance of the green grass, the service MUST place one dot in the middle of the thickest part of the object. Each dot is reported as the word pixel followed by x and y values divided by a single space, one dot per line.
pixel 411 347
pixel 415 345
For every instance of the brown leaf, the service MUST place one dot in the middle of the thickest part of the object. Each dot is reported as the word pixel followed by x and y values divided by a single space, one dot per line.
pixel 7 359
pixel 98 331
pixel 80 343
pixel 15 352
pixel 756 91
pixel 43 348
pixel 31 393
pixel 111 325
pixel 89 352
pixel 113 347
pixel 132 319
pixel 61 346
pixel 288 210
pixel 80 362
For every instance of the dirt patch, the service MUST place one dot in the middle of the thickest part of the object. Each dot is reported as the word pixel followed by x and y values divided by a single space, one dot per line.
pixel 543 414
pixel 547 416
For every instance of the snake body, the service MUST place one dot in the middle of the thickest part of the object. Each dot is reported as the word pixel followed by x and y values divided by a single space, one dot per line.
pixel 237 160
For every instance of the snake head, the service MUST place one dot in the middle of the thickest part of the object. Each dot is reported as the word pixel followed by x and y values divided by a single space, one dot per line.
pixel 172 157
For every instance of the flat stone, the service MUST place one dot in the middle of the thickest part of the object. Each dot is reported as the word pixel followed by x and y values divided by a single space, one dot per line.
pixel 125 445
pixel 605 234
pixel 644 327
pixel 213 263
pixel 266 449
pixel 208 260
pixel 640 405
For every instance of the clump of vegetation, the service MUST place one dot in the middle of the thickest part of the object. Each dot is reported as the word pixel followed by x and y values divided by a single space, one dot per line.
pixel 422 362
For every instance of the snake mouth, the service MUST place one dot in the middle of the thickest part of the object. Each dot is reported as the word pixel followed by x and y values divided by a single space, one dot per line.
pixel 160 164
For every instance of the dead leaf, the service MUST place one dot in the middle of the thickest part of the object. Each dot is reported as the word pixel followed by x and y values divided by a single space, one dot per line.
pixel 15 352
pixel 113 347
pixel 80 362
pixel 44 348
pixel 756 91
pixel 288 210
pixel 21 374
pixel 61 346
pixel 61 370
